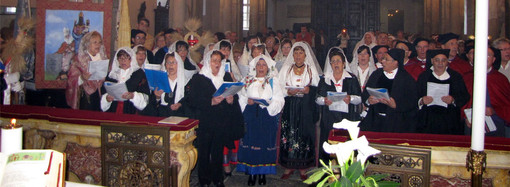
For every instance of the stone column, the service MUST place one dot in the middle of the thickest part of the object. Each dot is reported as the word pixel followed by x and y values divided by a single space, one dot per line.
pixel 178 13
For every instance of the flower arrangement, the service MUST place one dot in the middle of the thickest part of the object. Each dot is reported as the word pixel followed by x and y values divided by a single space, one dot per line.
pixel 352 167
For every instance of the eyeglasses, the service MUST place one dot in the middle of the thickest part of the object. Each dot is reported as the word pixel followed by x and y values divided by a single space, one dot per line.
pixel 123 58
pixel 138 37
pixel 336 61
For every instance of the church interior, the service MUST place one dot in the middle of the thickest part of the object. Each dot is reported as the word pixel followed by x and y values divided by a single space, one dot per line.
pixel 93 140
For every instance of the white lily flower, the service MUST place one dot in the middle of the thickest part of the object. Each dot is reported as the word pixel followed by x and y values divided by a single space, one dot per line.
pixel 350 126
pixel 341 150
pixel 364 150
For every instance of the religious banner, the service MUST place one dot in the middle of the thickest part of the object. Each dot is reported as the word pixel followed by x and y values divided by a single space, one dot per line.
pixel 61 27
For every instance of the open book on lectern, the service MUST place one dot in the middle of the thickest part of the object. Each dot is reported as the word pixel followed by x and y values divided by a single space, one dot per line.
pixel 36 167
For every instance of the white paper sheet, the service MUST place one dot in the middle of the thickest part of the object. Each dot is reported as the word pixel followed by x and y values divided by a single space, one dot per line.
pixel 489 123
pixel 116 90
pixel 436 91
pixel 294 87
pixel 336 96
pixel 339 106
pixel 98 69
pixel 378 92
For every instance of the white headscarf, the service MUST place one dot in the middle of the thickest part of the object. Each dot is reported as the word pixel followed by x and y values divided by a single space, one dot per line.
pixel 173 48
pixel 135 49
pixel 116 72
pixel 309 62
pixel 206 50
pixel 181 80
pixel 271 69
pixel 328 70
pixel 233 64
pixel 354 64
pixel 207 72
pixel 362 42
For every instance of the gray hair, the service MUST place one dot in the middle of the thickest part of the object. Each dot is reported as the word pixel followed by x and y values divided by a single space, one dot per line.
pixel 499 41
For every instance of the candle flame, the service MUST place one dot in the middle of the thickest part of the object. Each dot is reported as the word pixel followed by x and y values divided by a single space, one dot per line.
pixel 13 121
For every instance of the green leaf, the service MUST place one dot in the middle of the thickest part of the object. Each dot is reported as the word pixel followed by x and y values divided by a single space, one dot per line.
pixel 314 177
pixel 354 171
pixel 322 182
pixel 316 170
pixel 388 184
pixel 378 177
pixel 367 183
pixel 345 182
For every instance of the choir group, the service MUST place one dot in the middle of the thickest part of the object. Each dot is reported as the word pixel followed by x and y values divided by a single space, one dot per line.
pixel 426 85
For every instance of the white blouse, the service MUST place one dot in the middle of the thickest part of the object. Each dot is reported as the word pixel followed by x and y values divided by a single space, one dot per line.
pixel 140 100
pixel 274 95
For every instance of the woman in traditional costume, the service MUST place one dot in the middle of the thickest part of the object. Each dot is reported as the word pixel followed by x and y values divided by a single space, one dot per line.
pixel 283 52
pixel 300 76
pixel 261 100
pixel 337 79
pixel 172 104
pixel 221 120
pixel 362 65
pixel 368 40
pixel 125 70
pixel 398 112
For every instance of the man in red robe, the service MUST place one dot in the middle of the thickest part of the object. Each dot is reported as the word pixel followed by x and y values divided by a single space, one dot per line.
pixel 304 36
pixel 449 41
pixel 498 95
pixel 416 65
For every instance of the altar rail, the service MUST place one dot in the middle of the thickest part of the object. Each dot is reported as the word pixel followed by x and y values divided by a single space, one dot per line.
pixel 78 134
pixel 448 155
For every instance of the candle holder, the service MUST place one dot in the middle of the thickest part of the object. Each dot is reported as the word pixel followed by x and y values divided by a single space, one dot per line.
pixel 476 162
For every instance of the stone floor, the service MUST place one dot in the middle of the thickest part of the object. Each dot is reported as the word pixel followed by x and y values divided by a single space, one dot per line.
pixel 240 179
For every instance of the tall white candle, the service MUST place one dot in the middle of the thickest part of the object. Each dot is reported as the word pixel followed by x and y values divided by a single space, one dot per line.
pixel 479 87
pixel 12 138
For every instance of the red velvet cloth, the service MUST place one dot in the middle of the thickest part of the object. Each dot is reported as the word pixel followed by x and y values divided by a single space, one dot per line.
pixel 86 117
pixel 492 143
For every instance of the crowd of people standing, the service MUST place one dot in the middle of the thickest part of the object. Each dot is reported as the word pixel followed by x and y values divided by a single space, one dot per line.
pixel 428 83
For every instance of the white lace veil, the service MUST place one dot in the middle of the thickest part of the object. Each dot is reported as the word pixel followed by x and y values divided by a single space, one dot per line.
pixel 309 61
pixel 181 77
pixel 328 70
pixel 115 72
pixel 207 72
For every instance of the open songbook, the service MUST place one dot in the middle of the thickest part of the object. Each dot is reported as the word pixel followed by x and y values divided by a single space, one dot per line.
pixel 260 101
pixel 228 89
pixel 336 96
pixel 157 78
pixel 32 168
pixel 378 93
pixel 116 90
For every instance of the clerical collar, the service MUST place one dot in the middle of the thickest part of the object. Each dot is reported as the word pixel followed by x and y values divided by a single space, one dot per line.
pixel 442 77
pixel 391 74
